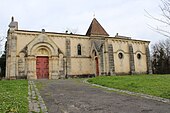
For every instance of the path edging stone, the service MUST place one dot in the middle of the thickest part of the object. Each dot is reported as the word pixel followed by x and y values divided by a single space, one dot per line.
pixel 36 103
pixel 131 93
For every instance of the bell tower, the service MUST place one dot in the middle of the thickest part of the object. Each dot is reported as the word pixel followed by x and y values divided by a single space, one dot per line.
pixel 11 50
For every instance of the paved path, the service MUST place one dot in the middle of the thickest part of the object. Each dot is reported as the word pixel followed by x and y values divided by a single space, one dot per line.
pixel 73 96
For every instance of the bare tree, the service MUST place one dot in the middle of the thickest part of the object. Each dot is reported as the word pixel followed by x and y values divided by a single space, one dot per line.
pixel 164 19
pixel 161 57
pixel 2 45
pixel 2 57
pixel 161 50
pixel 1 40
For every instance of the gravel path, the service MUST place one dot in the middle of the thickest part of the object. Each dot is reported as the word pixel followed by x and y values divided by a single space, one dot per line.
pixel 73 96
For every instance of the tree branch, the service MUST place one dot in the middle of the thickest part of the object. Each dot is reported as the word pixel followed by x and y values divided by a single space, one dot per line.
pixel 160 31
pixel 164 19
pixel 152 17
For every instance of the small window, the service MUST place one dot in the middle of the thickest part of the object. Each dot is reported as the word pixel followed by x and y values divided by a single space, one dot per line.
pixel 79 49
pixel 95 53
pixel 120 55
pixel 139 56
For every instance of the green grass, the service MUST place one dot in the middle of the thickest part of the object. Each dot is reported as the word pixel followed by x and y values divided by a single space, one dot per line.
pixel 157 85
pixel 13 96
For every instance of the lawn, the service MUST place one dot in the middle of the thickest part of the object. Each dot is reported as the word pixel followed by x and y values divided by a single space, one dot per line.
pixel 13 96
pixel 157 85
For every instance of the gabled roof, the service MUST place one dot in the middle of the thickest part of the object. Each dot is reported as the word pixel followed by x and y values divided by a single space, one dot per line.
pixel 95 29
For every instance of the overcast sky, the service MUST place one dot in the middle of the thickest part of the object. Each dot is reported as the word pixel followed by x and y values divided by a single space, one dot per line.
pixel 126 17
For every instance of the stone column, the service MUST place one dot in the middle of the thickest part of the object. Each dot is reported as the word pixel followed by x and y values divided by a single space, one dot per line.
pixel 7 66
pixel 30 68
pixel 8 56
pixel 106 58
pixel 68 57
pixel 11 50
pixel 131 58
pixel 148 61
pixel 21 66
pixel 54 64
pixel 61 66
pixel 111 60
pixel 102 61
pixel 12 63
pixel 50 66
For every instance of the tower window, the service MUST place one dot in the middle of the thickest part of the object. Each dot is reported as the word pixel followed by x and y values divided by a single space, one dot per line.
pixel 79 49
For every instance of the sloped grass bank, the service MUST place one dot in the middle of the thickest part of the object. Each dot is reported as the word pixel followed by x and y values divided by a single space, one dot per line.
pixel 13 96
pixel 156 85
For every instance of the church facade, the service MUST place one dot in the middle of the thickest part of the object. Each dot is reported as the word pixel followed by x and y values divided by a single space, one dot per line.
pixel 49 55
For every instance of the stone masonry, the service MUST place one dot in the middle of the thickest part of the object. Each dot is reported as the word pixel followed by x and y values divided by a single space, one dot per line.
pixel 111 60
pixel 132 65
pixel 59 53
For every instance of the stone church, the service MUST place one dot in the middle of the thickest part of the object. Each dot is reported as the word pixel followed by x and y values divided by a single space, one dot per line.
pixel 52 55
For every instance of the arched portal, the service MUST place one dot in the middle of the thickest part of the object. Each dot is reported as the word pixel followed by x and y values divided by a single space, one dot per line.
pixel 43 59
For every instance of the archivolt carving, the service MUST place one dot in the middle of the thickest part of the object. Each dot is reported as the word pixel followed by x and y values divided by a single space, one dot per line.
pixel 42 51
pixel 42 45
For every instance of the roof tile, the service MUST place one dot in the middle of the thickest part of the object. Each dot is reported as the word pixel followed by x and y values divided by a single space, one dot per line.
pixel 95 29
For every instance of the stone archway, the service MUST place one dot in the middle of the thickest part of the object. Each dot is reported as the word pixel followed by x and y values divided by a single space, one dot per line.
pixel 42 58
pixel 41 62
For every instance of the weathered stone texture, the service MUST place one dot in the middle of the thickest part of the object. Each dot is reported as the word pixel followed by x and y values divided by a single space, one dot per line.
pixel 111 60
pixel 148 61
pixel 132 64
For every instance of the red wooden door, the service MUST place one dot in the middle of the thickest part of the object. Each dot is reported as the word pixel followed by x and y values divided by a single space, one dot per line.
pixel 42 68
pixel 97 66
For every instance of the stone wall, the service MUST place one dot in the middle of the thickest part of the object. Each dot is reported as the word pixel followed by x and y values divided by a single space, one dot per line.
pixel 23 46
pixel 111 60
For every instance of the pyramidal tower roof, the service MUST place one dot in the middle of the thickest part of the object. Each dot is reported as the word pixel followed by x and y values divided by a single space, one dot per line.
pixel 95 29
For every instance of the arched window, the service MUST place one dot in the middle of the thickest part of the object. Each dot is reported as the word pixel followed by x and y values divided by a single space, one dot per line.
pixel 79 49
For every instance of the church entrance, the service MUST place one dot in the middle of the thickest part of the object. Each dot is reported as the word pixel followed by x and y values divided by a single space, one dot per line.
pixel 97 66
pixel 42 67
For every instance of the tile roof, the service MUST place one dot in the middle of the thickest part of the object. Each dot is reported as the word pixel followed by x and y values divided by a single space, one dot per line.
pixel 95 29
